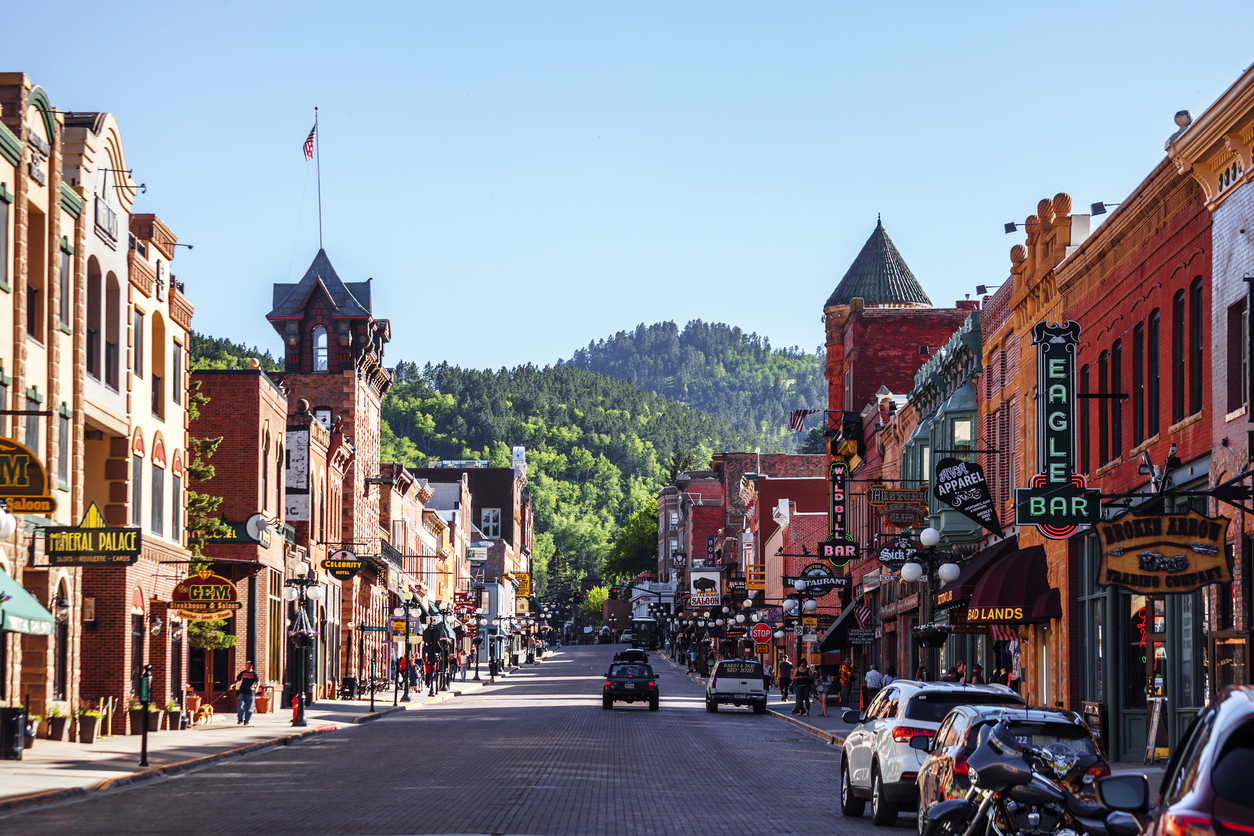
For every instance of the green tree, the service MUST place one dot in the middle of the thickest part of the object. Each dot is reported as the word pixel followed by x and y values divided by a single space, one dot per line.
pixel 681 461
pixel 635 549
pixel 815 441
pixel 591 605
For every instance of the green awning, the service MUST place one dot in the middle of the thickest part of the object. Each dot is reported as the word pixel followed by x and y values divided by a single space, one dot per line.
pixel 20 612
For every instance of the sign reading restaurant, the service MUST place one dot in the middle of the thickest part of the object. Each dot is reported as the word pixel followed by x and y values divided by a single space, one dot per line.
pixel 1168 553
pixel 92 543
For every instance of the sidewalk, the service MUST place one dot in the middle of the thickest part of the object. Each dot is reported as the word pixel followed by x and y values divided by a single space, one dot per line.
pixel 52 770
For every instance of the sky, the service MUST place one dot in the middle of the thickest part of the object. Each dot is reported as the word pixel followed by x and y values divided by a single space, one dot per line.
pixel 522 178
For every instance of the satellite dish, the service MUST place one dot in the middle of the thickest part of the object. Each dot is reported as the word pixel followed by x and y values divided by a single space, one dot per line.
pixel 258 528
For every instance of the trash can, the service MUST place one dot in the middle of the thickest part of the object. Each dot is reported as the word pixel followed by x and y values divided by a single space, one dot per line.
pixel 12 733
pixel 348 688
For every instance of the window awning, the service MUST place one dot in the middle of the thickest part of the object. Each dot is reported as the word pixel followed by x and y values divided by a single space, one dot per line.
pixel 836 637
pixel 959 592
pixel 1016 591
pixel 20 612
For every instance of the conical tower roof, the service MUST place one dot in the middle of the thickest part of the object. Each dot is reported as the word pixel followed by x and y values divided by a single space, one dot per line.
pixel 880 276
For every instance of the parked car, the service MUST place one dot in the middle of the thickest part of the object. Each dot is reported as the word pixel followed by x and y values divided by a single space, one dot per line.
pixel 638 656
pixel 943 774
pixel 630 682
pixel 736 682
pixel 1206 786
pixel 877 762
pixel 625 638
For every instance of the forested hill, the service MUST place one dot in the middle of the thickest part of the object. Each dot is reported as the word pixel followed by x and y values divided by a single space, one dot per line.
pixel 715 368
pixel 598 448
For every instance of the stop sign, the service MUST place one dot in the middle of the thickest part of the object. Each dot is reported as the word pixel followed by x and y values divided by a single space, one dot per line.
pixel 761 633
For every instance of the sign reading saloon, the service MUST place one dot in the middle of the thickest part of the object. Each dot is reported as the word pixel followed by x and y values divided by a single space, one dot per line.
pixel 343 565
pixel 1163 554
pixel 92 543
pixel 962 486
pixel 902 507
pixel 704 588
pixel 839 547
pixel 23 481
pixel 204 597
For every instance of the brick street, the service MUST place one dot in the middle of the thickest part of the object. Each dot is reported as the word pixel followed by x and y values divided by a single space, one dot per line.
pixel 534 754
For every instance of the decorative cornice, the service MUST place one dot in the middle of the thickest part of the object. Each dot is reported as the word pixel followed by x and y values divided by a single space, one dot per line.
pixel 10 146
pixel 1221 134
pixel 70 201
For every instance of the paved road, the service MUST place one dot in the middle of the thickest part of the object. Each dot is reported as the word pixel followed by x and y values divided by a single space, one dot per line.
pixel 534 754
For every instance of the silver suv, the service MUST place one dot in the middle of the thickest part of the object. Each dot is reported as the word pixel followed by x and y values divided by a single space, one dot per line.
pixel 736 682
pixel 877 762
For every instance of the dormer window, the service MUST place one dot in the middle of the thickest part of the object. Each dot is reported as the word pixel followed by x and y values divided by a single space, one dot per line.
pixel 320 349
pixel 323 414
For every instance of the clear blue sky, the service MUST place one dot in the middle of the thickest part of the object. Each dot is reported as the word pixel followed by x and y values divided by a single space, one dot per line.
pixel 520 178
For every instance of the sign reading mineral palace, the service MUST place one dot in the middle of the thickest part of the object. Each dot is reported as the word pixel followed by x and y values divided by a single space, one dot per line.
pixel 23 481
pixel 92 543
pixel 902 507
pixel 1167 553
pixel 204 597
pixel 839 547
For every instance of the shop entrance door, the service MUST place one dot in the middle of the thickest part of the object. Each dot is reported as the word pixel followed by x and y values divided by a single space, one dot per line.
pixel 210 676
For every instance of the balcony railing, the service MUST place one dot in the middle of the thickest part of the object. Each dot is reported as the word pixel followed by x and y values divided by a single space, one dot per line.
pixel 391 555
pixel 106 220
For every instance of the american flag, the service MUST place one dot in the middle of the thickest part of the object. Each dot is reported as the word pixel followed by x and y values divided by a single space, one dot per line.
pixel 1004 633
pixel 863 613
pixel 746 489
pixel 309 143
pixel 797 418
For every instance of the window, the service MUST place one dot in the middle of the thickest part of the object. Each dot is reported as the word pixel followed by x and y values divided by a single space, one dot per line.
pixel 1177 358
pixel 4 241
pixel 1086 438
pixel 61 651
pixel 1094 669
pixel 276 625
pixel 1238 357
pixel 1151 376
pixel 674 518
pixel 36 273
pixel 65 289
pixel 160 280
pixel 32 426
pixel 323 414
pixel 139 344
pixel 176 374
pixel 157 396
pixel 490 523
pixel 137 491
pixel 4 404
pixel 1103 408
pixel 849 388
pixel 964 435
pixel 265 474
pixel 63 450
pixel 320 349
pixel 176 504
pixel 1196 349
pixel 1116 405
pixel 278 480
pixel 34 321
pixel 94 318
pixel 158 500
pixel 1138 384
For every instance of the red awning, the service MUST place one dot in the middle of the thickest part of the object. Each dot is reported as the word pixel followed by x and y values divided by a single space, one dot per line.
pixel 1019 583
pixel 959 592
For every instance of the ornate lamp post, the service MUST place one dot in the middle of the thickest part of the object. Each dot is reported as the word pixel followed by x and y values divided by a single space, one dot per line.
pixel 481 635
pixel 409 602
pixel 928 636
pixel 302 589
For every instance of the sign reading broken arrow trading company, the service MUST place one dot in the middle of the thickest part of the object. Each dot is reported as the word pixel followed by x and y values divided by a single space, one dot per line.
pixel 1163 553
pixel 962 486
pixel 92 543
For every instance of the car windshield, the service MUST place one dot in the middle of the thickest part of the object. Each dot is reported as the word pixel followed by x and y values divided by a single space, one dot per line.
pixel 738 667
pixel 932 706
pixel 631 670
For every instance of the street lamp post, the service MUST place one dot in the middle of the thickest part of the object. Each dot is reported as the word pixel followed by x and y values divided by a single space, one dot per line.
pixel 408 602
pixel 481 634
pixel 302 589
pixel 913 571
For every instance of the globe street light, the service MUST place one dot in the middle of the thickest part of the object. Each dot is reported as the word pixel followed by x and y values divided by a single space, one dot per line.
pixel 302 589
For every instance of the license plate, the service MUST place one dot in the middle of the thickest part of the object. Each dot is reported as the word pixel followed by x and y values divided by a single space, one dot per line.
pixel 739 696
pixel 630 685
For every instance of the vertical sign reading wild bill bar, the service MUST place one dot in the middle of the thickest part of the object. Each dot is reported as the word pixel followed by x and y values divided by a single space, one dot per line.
pixel 839 547
pixel 1057 502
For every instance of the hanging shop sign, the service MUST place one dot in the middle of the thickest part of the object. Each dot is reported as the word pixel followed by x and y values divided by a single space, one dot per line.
pixel 904 508
pixel 1057 501
pixel 704 589
pixel 839 547
pixel 92 543
pixel 343 564
pixel 819 580
pixel 204 597
pixel 1163 554
pixel 962 486
pixel 897 553
pixel 709 551
pixel 23 480
pixel 524 585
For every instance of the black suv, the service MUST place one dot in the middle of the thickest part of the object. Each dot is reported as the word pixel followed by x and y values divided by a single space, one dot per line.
pixel 630 682
pixel 638 657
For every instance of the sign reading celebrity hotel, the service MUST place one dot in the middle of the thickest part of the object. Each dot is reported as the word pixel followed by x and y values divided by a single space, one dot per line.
pixel 705 589
pixel 343 565
pixel 204 597
pixel 962 486
pixel 92 543
pixel 1163 554
pixel 1057 502
pixel 23 481
pixel 839 547
pixel 902 507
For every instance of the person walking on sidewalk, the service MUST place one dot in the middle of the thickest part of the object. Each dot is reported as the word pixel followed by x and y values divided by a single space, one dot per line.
pixel 801 682
pixel 785 678
pixel 768 675
pixel 846 683
pixel 245 683
pixel 822 687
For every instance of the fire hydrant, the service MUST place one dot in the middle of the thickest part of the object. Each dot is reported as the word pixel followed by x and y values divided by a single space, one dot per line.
pixel 295 707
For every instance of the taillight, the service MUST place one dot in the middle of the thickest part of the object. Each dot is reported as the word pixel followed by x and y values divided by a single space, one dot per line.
pixel 650 684
pixel 1095 772
pixel 607 683
pixel 714 683
pixel 1187 824
pixel 902 734
pixel 960 764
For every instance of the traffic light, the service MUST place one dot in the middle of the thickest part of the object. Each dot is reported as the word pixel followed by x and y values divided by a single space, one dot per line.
pixel 578 598
pixel 613 593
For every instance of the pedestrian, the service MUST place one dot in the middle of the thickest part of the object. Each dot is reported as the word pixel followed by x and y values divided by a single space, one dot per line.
pixel 890 675
pixel 962 671
pixel 823 687
pixel 801 681
pixel 921 674
pixel 531 650
pixel 245 684
pixel 874 679
pixel 846 683
pixel 768 675
pixel 785 678
pixel 977 675
pixel 951 675
pixel 710 659
pixel 463 662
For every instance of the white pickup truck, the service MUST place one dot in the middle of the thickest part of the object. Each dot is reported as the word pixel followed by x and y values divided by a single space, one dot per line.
pixel 736 682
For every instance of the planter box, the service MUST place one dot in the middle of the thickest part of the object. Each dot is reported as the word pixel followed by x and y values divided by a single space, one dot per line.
pixel 58 728
pixel 87 729
pixel 154 721
pixel 191 704
pixel 137 717
pixel 173 720
pixel 261 704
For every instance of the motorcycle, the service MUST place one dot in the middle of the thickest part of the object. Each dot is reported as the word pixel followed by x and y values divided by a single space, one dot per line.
pixel 1012 794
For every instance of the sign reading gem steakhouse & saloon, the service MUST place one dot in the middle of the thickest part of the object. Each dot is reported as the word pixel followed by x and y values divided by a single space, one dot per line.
pixel 839 547
pixel 204 597
pixel 23 481
pixel 1163 554
pixel 92 543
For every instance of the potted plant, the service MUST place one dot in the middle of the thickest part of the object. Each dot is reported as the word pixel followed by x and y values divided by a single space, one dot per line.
pixel 32 726
pixel 58 721
pixel 173 716
pixel 264 699
pixel 154 718
pixel 88 725
pixel 191 700
pixel 136 712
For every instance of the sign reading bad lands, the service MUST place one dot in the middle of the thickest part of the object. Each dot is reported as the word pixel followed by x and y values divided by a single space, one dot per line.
pixel 1167 553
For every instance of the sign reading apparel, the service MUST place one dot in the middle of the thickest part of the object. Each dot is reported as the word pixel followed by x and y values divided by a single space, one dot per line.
pixel 343 564
pixel 962 486
pixel 23 481
pixel 1163 554
pixel 204 597
pixel 92 543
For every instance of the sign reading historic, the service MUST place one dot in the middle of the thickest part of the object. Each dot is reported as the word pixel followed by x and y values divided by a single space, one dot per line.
pixel 23 481
pixel 705 589
pixel 896 553
pixel 1164 553
pixel 819 580
pixel 1057 502
pixel 962 486
pixel 92 543
pixel 902 507
pixel 343 564
pixel 204 597
pixel 839 547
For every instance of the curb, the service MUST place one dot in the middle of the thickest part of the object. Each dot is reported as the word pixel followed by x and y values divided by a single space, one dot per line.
pixel 369 717
pixel 831 737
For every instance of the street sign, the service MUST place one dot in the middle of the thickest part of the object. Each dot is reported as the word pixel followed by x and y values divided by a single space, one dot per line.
pixel 810 621
pixel 761 648
pixel 810 637
pixel 798 629
pixel 761 633
pixel 372 629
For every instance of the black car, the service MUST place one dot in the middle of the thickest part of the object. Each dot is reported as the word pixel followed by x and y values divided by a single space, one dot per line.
pixel 630 682
pixel 638 657
pixel 944 771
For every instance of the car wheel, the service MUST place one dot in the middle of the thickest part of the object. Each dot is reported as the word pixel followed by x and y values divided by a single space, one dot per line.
pixel 883 813
pixel 759 707
pixel 850 805
pixel 713 707
pixel 653 704
pixel 922 810
pixel 607 703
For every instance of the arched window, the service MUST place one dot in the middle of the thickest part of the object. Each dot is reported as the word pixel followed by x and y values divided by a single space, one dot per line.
pixel 1178 354
pixel 1116 405
pixel 112 330
pixel 320 349
pixel 1197 350
pixel 1151 374
pixel 95 319
pixel 1103 408
pixel 1086 438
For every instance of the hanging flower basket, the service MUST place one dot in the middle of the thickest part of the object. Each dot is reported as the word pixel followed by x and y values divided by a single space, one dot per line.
pixel 930 636
pixel 302 634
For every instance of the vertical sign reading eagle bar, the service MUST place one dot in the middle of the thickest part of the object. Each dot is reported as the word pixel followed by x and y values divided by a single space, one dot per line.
pixel 839 547
pixel 1057 502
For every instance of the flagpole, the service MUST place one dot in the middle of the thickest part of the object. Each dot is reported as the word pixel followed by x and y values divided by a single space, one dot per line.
pixel 318 163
